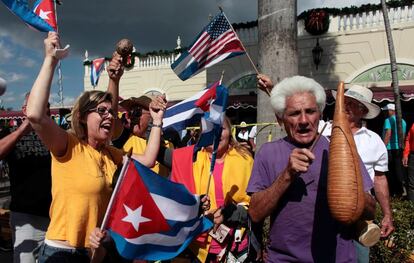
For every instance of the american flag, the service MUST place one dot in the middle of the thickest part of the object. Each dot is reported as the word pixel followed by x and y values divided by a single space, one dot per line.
pixel 213 40
pixel 215 43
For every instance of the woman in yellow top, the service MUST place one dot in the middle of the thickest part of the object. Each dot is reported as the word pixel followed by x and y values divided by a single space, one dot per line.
pixel 227 190
pixel 83 163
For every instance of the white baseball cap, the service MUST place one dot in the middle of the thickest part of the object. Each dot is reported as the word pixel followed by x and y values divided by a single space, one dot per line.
pixel 389 106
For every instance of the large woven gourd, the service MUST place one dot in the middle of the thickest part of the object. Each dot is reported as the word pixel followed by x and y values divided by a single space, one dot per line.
pixel 345 188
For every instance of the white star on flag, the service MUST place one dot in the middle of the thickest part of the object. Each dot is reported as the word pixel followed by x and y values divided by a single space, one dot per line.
pixel 44 15
pixel 134 217
pixel 210 101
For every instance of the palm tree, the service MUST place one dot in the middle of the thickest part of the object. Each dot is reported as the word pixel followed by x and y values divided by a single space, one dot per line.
pixel 394 76
pixel 277 33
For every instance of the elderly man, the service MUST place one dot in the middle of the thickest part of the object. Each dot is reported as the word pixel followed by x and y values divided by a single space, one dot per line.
pixel 372 151
pixel 289 182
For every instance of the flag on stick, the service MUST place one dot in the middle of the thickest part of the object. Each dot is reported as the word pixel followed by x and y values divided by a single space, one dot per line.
pixel 150 217
pixel 214 104
pixel 188 112
pixel 21 9
pixel 45 9
pixel 215 43
pixel 96 68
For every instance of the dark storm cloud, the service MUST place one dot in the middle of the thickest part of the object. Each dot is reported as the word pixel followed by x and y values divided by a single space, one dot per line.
pixel 152 25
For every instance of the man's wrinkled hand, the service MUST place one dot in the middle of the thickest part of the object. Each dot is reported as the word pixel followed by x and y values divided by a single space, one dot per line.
pixel 387 226
pixel 264 83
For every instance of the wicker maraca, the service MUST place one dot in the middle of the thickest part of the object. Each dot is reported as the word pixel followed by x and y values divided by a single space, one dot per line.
pixel 345 187
pixel 124 47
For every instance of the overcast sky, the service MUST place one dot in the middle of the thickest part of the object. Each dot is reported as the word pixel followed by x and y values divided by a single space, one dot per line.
pixel 97 25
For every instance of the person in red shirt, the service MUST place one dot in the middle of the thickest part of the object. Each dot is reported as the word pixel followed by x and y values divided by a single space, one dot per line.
pixel 408 161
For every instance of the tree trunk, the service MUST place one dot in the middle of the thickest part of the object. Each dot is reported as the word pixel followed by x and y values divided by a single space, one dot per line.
pixel 277 33
pixel 394 75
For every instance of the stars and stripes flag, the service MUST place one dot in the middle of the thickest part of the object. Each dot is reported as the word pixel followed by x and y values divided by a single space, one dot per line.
pixel 42 21
pixel 150 217
pixel 97 66
pixel 215 43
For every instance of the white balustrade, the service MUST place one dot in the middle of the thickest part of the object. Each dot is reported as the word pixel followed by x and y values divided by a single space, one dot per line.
pixel 338 24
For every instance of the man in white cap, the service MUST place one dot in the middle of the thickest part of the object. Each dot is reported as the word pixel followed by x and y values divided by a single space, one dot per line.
pixel 390 137
pixel 243 135
pixel 372 151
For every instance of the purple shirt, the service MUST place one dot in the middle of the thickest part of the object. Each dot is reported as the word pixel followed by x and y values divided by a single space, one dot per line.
pixel 302 228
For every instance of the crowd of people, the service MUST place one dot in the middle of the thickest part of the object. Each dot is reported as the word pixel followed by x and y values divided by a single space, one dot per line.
pixel 62 180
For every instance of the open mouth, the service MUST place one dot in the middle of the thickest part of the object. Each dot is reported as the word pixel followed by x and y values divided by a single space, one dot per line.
pixel 106 126
pixel 304 131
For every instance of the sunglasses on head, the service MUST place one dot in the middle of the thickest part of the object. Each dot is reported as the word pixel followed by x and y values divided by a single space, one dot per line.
pixel 103 111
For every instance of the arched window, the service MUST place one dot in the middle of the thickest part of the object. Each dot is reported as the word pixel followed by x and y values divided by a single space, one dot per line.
pixel 244 85
pixel 383 73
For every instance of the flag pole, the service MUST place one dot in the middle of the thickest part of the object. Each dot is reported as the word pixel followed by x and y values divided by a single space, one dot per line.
pixel 215 147
pixel 221 78
pixel 247 53
pixel 59 66
pixel 318 137
pixel 234 31
pixel 212 163
pixel 115 192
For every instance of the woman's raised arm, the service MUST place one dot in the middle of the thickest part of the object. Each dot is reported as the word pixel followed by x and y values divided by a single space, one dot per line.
pixel 50 133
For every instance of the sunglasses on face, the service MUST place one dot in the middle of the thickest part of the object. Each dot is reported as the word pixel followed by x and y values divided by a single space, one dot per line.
pixel 103 111
pixel 135 113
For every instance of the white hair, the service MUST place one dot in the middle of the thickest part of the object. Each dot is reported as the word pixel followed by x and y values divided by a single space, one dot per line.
pixel 296 84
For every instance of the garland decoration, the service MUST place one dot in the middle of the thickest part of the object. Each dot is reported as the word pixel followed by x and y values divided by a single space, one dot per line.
pixel 317 22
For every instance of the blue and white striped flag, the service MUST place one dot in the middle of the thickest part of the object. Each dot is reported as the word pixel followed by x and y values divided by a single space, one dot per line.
pixel 187 113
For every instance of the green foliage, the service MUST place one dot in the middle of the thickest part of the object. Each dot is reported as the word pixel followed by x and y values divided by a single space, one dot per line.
pixel 402 238
pixel 401 242
pixel 352 10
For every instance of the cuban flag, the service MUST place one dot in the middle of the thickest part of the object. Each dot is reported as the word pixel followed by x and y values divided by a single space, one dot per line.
pixel 96 68
pixel 45 9
pixel 21 9
pixel 214 106
pixel 152 218
pixel 189 112
pixel 217 42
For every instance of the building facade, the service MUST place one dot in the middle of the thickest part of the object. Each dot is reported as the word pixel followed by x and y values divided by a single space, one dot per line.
pixel 354 50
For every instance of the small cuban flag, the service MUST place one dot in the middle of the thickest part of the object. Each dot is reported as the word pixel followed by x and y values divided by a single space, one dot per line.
pixel 152 218
pixel 189 112
pixel 214 105
pixel 41 18
pixel 96 68
pixel 45 9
